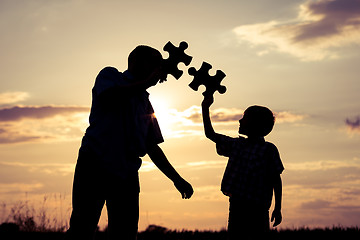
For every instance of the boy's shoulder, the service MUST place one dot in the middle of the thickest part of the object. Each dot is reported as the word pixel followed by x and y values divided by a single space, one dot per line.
pixel 270 144
pixel 271 149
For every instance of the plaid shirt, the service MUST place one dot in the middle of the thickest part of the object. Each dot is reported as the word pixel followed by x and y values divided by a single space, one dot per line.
pixel 251 167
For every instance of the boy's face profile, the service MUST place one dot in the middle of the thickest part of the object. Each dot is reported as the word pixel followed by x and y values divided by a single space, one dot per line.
pixel 244 125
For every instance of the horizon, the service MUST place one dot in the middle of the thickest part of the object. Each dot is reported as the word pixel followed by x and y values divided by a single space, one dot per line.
pixel 299 58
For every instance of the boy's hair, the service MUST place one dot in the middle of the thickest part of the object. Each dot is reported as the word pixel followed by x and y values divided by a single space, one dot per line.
pixel 144 58
pixel 261 119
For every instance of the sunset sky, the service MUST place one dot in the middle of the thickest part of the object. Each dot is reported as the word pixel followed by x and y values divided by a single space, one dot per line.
pixel 299 58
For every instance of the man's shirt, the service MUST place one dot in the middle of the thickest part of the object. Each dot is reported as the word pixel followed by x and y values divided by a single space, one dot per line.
pixel 118 134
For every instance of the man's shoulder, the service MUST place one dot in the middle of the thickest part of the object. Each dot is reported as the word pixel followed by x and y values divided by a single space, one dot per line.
pixel 108 71
pixel 107 77
pixel 109 74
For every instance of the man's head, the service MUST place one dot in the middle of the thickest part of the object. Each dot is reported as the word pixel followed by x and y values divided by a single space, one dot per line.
pixel 143 60
pixel 257 121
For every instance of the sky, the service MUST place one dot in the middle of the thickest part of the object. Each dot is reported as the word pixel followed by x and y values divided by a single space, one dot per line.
pixel 299 58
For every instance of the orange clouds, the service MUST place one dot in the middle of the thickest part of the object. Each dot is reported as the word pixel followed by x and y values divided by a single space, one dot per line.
pixel 42 123
pixel 321 28
pixel 62 123
pixel 17 113
pixel 177 124
pixel 286 116
pixel 12 97
pixel 319 192
pixel 20 123
pixel 220 115
pixel 233 115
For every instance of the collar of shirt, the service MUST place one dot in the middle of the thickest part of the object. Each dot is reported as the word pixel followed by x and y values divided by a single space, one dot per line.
pixel 256 139
pixel 129 76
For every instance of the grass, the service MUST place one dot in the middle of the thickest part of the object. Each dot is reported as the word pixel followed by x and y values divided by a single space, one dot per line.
pixel 161 233
pixel 28 219
pixel 24 222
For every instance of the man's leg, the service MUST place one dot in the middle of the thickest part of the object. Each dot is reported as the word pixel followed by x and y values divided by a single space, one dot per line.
pixel 123 210
pixel 88 199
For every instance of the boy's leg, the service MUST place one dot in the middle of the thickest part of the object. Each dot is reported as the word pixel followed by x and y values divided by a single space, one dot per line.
pixel 87 199
pixel 247 221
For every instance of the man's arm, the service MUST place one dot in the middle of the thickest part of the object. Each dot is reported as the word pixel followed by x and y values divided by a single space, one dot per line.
pixel 208 128
pixel 276 215
pixel 158 157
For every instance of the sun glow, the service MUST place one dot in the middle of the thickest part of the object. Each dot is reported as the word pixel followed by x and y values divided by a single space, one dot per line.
pixel 163 114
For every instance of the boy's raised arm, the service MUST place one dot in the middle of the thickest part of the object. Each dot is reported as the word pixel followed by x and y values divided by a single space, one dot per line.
pixel 208 128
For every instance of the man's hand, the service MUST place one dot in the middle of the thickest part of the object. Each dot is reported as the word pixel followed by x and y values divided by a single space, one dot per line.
pixel 160 160
pixel 208 101
pixel 276 215
pixel 184 188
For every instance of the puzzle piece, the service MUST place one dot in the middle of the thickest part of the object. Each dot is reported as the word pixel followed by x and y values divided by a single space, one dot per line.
pixel 176 55
pixel 202 77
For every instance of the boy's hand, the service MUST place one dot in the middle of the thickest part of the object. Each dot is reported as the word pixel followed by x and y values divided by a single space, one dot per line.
pixel 184 188
pixel 276 215
pixel 208 101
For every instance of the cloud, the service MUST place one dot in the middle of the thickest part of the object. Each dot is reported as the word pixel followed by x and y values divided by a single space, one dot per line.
pixel 321 211
pixel 177 124
pixel 219 115
pixel 148 166
pixel 316 204
pixel 19 187
pixel 20 124
pixel 288 117
pixel 332 191
pixel 323 165
pixel 321 28
pixel 21 177
pixel 232 115
pixel 324 174
pixel 206 164
pixel 20 112
pixel 61 169
pixel 353 124
pixel 13 97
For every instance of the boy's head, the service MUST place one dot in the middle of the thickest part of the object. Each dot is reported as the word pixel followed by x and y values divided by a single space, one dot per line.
pixel 257 121
pixel 143 60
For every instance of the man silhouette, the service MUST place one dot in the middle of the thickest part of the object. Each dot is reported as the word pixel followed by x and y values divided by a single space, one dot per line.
pixel 122 129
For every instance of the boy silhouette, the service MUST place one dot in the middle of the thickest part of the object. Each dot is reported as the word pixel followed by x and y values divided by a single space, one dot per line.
pixel 122 129
pixel 252 172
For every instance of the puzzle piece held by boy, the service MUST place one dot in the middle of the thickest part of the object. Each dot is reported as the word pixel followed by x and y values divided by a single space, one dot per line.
pixel 202 77
pixel 176 55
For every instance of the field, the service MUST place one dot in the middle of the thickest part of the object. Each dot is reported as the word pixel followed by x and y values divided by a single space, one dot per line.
pixel 160 233
pixel 25 222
